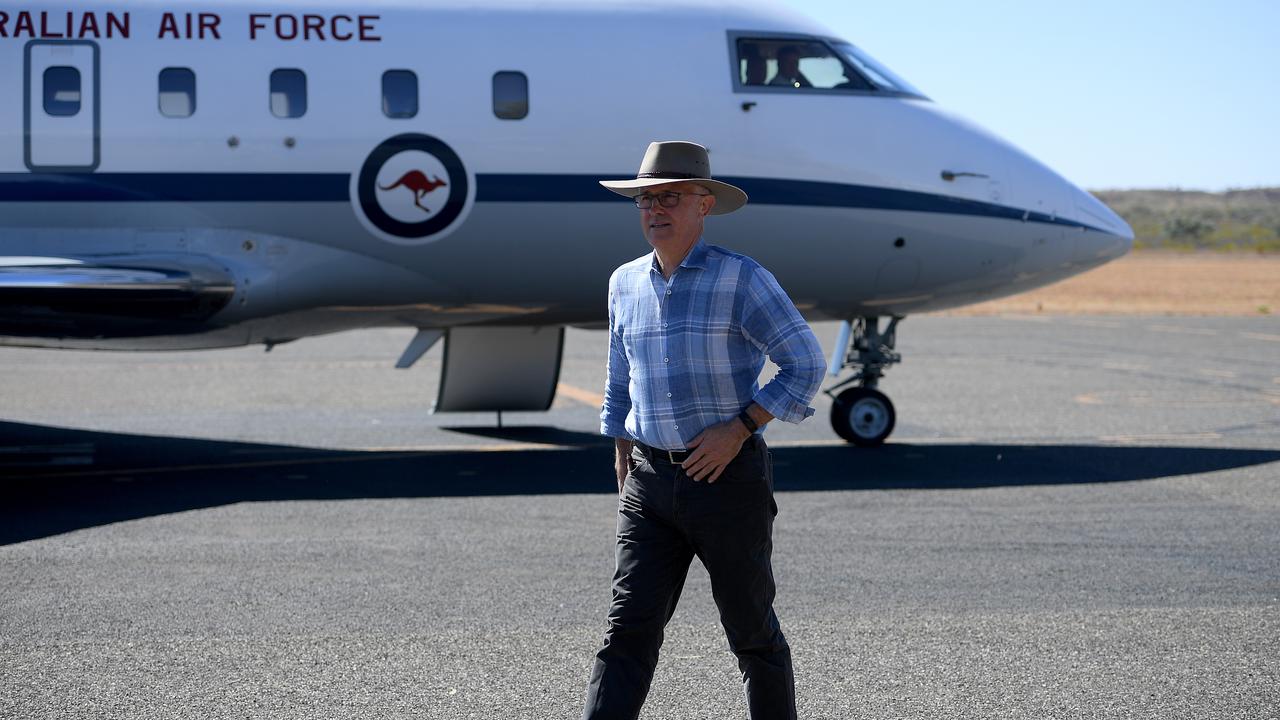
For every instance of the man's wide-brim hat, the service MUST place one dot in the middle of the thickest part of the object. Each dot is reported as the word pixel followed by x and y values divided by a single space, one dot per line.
pixel 679 161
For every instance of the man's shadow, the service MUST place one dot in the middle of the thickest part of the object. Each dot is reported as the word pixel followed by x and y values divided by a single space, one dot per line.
pixel 56 480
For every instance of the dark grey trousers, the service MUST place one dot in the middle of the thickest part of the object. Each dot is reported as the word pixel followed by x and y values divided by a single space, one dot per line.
pixel 664 520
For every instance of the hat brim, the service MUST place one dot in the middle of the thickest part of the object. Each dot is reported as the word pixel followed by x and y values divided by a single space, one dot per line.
pixel 728 197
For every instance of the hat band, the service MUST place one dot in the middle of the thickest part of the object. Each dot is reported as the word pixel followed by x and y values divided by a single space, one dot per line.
pixel 667 175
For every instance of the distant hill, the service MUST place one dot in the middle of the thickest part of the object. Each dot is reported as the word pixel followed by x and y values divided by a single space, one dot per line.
pixel 1192 220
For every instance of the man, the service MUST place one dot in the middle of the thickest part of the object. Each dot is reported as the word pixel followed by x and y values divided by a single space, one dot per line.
pixel 690 325
pixel 789 74
pixel 755 68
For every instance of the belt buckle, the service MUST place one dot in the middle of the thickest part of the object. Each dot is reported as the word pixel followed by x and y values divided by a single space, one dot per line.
pixel 671 456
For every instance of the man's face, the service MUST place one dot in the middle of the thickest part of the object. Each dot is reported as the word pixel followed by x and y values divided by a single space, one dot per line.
pixel 680 226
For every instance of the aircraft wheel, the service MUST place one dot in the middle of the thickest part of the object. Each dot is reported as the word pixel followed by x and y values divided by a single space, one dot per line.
pixel 862 416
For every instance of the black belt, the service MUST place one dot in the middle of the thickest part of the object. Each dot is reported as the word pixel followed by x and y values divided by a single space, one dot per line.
pixel 675 457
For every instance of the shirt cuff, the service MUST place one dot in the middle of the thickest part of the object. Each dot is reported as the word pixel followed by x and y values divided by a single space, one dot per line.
pixel 774 398
pixel 614 428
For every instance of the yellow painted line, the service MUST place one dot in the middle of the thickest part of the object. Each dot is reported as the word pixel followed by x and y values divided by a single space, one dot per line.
pixel 1088 399
pixel 1261 336
pixel 1181 330
pixel 586 397
pixel 1168 437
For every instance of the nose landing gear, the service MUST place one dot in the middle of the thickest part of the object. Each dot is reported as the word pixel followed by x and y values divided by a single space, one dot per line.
pixel 863 415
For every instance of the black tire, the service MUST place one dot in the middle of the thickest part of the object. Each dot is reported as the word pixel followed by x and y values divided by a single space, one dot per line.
pixel 863 416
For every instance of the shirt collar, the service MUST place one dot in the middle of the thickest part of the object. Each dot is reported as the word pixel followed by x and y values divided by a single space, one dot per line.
pixel 696 258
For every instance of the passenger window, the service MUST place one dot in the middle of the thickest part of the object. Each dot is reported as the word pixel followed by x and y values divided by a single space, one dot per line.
pixel 62 91
pixel 796 63
pixel 177 92
pixel 399 94
pixel 288 93
pixel 510 95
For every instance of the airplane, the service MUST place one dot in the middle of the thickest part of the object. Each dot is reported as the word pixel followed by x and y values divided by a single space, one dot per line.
pixel 178 177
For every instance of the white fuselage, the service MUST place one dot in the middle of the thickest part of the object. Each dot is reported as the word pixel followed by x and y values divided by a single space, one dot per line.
pixel 849 205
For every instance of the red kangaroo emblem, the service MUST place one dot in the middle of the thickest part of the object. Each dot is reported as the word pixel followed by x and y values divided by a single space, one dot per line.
pixel 418 183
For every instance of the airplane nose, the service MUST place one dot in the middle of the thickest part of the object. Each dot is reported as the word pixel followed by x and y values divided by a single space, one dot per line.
pixel 1109 235
pixel 1124 240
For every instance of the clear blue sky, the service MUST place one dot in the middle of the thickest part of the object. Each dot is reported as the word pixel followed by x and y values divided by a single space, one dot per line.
pixel 1114 94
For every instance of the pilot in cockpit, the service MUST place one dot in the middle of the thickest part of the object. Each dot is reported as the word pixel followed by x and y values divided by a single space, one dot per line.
pixel 789 69
pixel 757 69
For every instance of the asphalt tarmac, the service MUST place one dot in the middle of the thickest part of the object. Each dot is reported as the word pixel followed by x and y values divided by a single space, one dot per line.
pixel 1076 517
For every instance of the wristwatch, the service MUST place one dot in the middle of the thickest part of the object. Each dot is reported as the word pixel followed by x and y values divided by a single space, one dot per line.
pixel 749 421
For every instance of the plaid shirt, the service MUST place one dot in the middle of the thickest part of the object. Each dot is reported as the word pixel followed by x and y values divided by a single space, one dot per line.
pixel 686 353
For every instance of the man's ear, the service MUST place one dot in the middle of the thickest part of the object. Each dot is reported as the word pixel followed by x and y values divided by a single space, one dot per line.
pixel 712 198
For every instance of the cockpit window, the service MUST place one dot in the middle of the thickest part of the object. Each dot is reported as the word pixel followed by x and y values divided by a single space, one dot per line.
pixel 811 64
pixel 795 63
pixel 879 74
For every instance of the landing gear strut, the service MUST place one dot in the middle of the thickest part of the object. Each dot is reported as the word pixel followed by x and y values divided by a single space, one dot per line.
pixel 863 415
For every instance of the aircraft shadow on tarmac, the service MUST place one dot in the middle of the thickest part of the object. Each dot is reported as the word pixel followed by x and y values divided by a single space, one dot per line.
pixel 56 480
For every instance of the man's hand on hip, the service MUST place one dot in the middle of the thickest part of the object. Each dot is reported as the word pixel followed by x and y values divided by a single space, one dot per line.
pixel 714 448
pixel 621 460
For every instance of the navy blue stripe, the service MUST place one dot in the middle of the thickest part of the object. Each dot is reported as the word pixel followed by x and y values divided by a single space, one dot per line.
pixel 542 188
pixel 491 187
pixel 174 187
pixel 762 191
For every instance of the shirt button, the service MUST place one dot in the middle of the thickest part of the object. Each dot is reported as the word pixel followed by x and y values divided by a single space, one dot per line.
pixel 668 394
pixel 666 359
pixel 676 427
pixel 668 292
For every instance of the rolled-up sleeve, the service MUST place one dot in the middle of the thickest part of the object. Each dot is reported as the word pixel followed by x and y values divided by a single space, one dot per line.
pixel 617 393
pixel 771 321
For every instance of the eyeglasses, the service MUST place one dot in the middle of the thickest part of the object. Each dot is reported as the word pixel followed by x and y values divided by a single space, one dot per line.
pixel 667 199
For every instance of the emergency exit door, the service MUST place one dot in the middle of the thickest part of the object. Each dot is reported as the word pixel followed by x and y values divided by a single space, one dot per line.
pixel 62 106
